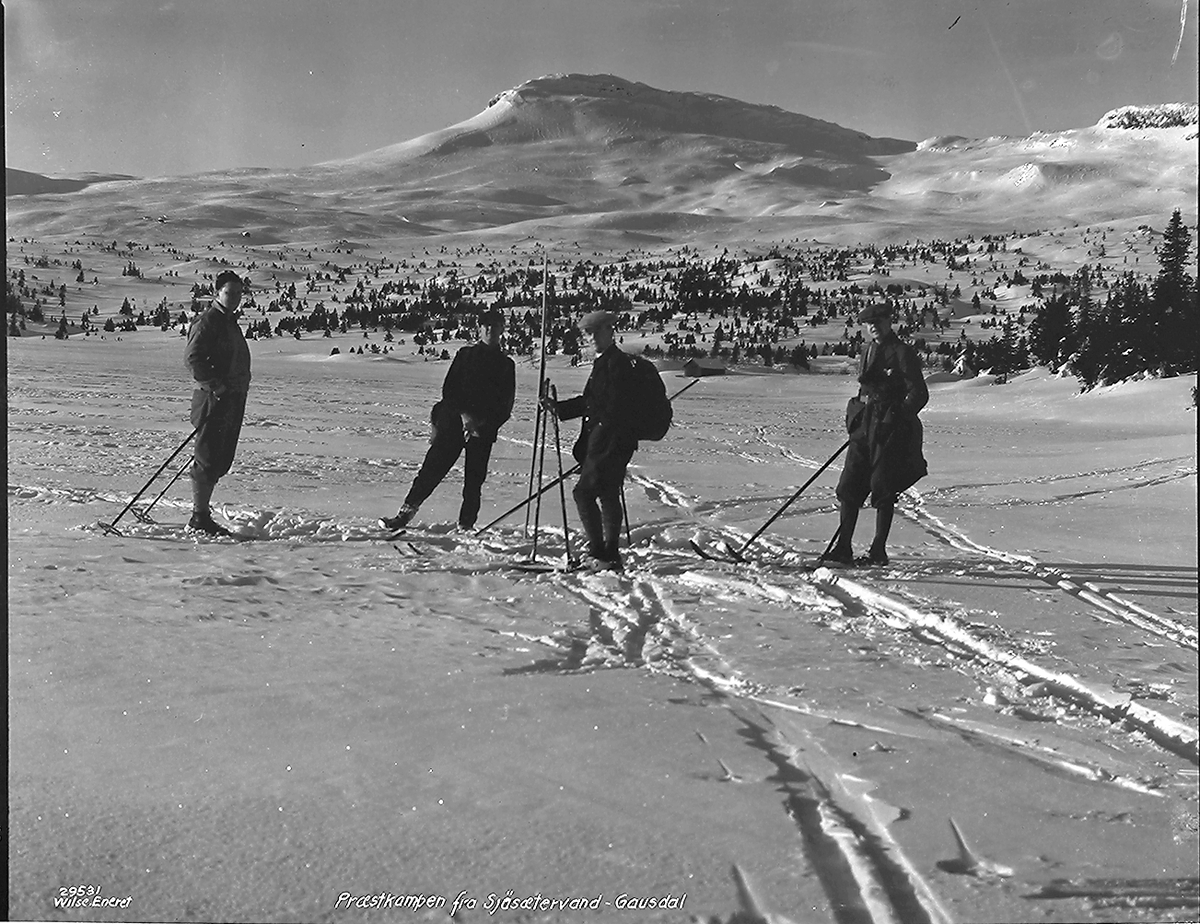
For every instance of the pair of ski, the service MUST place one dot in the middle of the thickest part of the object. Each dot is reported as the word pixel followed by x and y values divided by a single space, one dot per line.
pixel 728 555
pixel 417 542
pixel 723 552
pixel 187 532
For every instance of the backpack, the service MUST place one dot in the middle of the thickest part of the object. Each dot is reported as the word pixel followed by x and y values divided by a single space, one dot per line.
pixel 650 409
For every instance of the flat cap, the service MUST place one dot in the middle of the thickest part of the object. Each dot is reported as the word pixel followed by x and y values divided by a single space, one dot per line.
pixel 224 277
pixel 876 312
pixel 594 319
pixel 492 318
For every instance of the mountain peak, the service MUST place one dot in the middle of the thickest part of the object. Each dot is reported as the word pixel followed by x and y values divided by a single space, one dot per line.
pixel 601 111
pixel 607 101
pixel 1161 115
pixel 582 85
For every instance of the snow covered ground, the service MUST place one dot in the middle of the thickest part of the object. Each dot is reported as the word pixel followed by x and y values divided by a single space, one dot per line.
pixel 277 729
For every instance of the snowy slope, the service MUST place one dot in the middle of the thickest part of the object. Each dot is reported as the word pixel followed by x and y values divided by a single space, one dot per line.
pixel 560 155
pixel 1134 161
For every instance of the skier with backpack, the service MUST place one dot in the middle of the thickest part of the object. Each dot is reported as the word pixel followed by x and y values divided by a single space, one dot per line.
pixel 623 401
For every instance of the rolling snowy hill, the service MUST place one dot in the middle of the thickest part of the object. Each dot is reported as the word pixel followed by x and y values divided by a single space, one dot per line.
pixel 563 154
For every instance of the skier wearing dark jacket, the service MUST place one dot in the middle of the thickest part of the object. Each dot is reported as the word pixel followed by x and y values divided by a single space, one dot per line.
pixel 606 442
pixel 884 457
pixel 477 399
pixel 219 360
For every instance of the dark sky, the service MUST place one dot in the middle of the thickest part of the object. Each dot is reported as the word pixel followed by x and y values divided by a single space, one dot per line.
pixel 159 88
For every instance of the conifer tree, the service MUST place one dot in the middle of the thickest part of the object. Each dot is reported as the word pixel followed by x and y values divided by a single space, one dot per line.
pixel 1173 255
pixel 1052 332
pixel 1086 361
pixel 1122 340
pixel 1174 300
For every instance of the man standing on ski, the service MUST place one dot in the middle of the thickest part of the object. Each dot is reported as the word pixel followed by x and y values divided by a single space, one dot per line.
pixel 884 456
pixel 477 399
pixel 606 442
pixel 219 360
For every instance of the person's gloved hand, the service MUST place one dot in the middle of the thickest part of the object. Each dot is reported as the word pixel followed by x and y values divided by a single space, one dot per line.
pixel 472 425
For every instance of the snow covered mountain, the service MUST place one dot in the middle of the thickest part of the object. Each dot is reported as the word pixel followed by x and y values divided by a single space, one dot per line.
pixel 566 154
pixel 607 113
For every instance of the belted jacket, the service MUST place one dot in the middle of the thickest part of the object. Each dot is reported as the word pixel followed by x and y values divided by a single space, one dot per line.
pixel 217 353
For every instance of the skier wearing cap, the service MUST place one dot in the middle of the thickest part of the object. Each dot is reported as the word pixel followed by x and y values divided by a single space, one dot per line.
pixel 477 399
pixel 219 359
pixel 884 456
pixel 606 442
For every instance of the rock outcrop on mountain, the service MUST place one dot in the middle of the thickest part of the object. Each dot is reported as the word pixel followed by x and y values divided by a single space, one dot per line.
pixel 1164 115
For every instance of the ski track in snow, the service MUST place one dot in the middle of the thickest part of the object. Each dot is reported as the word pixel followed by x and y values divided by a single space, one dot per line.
pixel 1164 471
pixel 1181 634
pixel 949 633
pixel 636 622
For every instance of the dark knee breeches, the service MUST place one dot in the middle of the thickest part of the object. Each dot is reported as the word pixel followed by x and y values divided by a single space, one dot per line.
pixel 218 419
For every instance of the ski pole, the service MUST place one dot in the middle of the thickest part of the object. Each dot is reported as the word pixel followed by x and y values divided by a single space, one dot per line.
pixel 829 548
pixel 537 432
pixel 778 513
pixel 539 426
pixel 533 496
pixel 537 515
pixel 144 515
pixel 682 390
pixel 530 499
pixel 111 528
pixel 562 493
pixel 625 516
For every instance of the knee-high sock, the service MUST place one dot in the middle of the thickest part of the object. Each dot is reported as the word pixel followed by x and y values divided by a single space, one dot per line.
pixel 592 522
pixel 883 526
pixel 849 519
pixel 612 517
pixel 201 496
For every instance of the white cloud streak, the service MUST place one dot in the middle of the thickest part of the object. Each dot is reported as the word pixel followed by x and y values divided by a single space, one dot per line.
pixel 1182 28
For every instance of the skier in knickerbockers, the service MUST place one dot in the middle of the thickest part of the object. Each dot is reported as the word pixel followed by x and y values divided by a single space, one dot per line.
pixel 477 399
pixel 606 442
pixel 219 360
pixel 884 456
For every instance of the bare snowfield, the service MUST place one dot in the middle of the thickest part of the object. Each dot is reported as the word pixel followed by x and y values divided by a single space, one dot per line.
pixel 278 729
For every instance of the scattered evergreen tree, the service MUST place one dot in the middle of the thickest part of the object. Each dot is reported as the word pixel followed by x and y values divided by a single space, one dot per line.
pixel 1124 333
pixel 12 301
pixel 1052 337
pixel 799 357
pixel 1174 299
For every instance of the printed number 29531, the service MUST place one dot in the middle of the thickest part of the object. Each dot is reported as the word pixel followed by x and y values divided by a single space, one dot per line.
pixel 78 891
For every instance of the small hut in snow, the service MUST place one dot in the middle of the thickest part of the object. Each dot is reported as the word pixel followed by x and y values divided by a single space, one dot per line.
pixel 704 366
